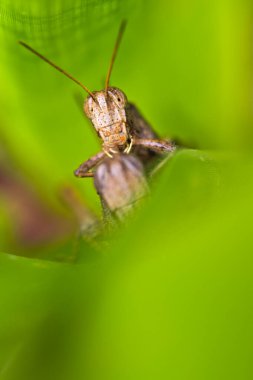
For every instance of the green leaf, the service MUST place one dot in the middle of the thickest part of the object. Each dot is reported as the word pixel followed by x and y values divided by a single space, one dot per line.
pixel 170 294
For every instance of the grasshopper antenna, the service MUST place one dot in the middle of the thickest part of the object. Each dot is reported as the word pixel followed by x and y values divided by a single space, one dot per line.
pixel 56 67
pixel 115 50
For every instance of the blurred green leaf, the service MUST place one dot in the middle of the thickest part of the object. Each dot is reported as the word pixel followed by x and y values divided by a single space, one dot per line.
pixel 170 295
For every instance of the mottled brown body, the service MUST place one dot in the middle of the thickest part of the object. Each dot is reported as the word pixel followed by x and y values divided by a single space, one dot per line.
pixel 137 137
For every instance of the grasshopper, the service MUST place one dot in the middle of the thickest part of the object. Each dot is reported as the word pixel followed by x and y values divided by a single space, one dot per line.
pixel 118 122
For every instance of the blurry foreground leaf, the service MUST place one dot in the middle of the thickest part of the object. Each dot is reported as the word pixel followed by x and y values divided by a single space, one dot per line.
pixel 170 296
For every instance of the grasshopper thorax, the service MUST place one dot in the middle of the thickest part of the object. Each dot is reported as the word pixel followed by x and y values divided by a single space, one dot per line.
pixel 106 110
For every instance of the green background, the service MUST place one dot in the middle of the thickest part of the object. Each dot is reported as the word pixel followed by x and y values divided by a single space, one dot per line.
pixel 171 296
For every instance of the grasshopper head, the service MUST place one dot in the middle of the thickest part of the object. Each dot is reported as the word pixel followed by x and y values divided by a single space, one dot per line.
pixel 106 108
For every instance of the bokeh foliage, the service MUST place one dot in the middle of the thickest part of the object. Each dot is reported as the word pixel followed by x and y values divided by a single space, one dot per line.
pixel 170 297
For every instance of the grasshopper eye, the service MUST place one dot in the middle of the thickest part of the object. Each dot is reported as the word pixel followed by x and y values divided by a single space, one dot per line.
pixel 118 96
pixel 89 107
pixel 121 99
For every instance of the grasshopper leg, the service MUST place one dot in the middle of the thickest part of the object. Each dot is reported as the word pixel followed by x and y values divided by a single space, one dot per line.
pixel 156 145
pixel 84 169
